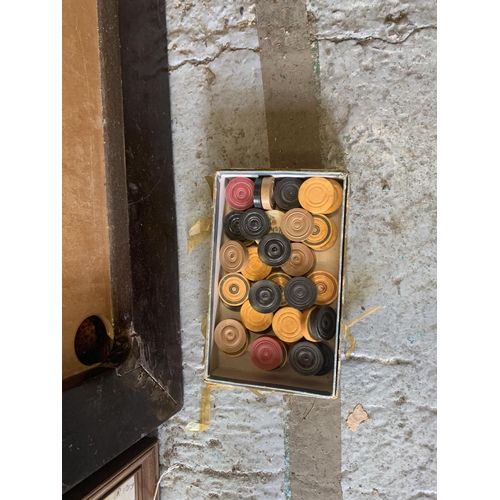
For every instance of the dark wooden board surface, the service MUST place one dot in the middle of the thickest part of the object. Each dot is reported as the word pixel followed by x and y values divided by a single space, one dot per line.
pixel 108 413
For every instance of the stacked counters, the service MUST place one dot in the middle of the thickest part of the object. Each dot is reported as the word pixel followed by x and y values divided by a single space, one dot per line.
pixel 274 229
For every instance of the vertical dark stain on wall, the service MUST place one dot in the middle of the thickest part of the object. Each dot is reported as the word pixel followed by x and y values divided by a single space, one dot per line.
pixel 290 77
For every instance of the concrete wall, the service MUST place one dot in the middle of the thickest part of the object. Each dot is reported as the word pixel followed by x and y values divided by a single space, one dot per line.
pixel 376 68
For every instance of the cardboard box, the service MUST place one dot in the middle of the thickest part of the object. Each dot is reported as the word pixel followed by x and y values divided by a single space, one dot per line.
pixel 240 371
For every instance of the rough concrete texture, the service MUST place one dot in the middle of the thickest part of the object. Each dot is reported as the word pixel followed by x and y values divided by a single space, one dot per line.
pixel 218 122
pixel 314 440
pixel 378 90
pixel 376 69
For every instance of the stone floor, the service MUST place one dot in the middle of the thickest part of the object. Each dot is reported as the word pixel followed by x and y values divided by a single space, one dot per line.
pixel 376 70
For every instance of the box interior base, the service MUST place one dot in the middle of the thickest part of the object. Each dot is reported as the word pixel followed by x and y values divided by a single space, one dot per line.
pixel 241 370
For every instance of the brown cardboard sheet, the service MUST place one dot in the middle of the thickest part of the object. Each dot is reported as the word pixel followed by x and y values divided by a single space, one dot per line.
pixel 85 257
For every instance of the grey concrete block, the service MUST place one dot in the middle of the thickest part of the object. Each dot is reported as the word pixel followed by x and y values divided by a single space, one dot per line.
pixel 376 68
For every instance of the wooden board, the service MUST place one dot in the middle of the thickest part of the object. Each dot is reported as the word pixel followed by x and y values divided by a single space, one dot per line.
pixel 86 271
pixel 108 409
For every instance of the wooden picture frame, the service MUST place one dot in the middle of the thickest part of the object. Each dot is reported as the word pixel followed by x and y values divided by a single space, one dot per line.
pixel 133 475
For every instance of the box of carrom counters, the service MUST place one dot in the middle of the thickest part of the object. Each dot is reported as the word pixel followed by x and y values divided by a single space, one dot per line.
pixel 277 281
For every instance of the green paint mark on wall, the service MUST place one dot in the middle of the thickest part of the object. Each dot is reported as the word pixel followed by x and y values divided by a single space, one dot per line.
pixel 414 337
pixel 316 71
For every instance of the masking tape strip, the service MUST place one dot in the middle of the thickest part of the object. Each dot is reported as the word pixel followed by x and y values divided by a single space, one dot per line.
pixel 347 334
pixel 204 422
pixel 202 228
pixel 200 231
pixel 204 333
pixel 350 340
pixel 210 182
pixel 257 393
